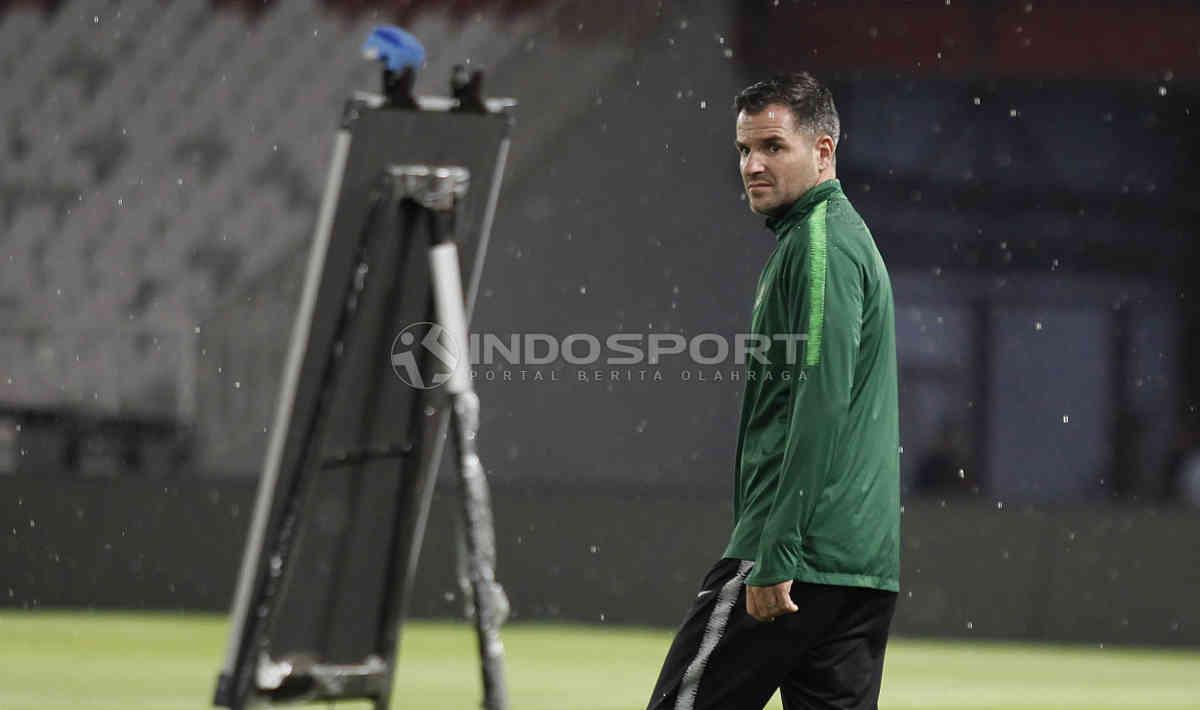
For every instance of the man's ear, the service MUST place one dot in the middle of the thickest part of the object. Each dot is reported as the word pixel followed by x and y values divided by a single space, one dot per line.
pixel 825 152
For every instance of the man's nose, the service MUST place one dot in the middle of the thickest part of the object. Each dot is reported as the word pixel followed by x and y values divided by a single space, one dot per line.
pixel 752 166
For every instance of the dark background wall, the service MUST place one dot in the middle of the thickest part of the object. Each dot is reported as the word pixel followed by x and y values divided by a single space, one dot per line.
pixel 602 554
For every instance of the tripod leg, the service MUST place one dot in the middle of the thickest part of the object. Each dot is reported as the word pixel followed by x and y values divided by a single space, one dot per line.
pixel 490 603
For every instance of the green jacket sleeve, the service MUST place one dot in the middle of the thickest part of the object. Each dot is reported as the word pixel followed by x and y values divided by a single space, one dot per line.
pixel 824 289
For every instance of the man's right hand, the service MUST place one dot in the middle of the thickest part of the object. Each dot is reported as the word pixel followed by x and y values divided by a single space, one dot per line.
pixel 767 603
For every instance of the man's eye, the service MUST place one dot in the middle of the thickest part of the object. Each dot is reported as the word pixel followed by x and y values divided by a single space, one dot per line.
pixel 775 148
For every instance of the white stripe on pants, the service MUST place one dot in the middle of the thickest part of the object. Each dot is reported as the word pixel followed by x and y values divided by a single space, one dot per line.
pixel 686 699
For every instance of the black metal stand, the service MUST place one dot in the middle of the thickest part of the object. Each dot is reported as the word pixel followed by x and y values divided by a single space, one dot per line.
pixel 347 483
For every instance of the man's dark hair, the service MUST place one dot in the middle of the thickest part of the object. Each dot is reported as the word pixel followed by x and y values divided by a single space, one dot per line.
pixel 811 101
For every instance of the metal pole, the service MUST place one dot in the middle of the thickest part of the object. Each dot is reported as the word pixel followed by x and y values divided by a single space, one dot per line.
pixel 252 556
pixel 490 604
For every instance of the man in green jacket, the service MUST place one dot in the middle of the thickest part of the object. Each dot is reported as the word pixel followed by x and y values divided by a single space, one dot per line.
pixel 803 596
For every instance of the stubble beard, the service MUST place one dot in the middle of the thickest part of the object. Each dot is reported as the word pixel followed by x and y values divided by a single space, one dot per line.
pixel 766 208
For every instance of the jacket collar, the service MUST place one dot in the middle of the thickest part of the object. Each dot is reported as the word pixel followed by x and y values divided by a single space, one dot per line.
pixel 798 211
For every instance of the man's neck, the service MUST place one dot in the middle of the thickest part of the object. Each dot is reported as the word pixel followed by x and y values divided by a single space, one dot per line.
pixel 802 205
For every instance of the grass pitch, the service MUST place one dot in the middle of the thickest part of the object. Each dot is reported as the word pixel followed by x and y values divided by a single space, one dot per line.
pixel 119 661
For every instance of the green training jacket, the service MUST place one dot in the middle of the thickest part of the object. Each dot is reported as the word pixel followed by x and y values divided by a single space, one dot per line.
pixel 817 482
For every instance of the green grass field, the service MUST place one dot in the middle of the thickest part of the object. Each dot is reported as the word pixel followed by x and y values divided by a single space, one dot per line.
pixel 111 661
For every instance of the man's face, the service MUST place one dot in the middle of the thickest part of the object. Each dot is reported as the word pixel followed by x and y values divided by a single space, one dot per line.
pixel 779 161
